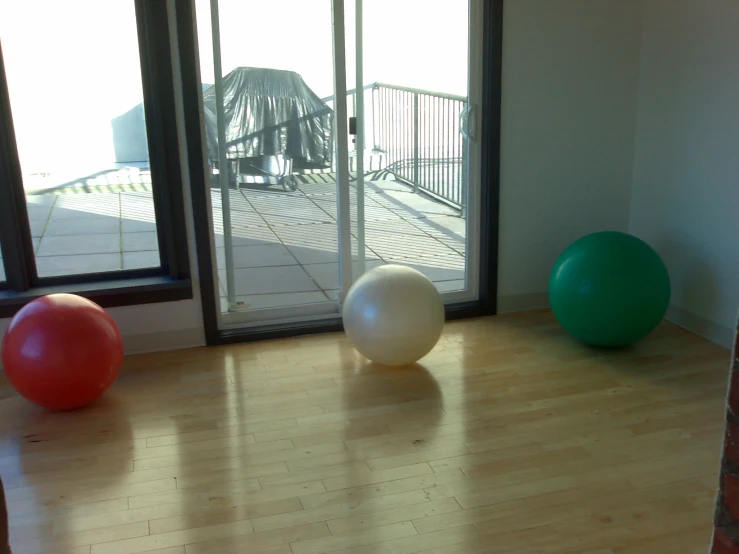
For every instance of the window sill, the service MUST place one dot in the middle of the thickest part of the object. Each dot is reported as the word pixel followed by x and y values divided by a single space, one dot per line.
pixel 108 294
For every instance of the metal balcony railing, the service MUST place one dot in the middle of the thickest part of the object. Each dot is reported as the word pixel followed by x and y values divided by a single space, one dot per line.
pixel 416 133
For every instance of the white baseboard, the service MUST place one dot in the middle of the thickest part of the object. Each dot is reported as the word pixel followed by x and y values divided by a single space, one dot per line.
pixel 723 336
pixel 522 302
pixel 159 342
pixel 166 340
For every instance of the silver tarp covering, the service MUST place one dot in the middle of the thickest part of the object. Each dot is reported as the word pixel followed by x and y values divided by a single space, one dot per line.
pixel 270 112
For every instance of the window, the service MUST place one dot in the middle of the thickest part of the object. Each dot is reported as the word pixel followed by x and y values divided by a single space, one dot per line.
pixel 90 186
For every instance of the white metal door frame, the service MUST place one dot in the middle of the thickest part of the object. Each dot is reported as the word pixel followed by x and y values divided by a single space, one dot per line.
pixel 235 318
pixel 474 159
pixel 222 159
pixel 330 309
pixel 341 120
pixel 359 95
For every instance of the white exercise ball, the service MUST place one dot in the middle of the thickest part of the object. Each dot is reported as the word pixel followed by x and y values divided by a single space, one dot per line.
pixel 393 315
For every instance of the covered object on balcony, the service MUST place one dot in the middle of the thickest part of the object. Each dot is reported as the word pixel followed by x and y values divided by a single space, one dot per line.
pixel 268 113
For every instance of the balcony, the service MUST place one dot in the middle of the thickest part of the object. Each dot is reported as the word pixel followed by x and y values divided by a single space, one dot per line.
pixel 285 243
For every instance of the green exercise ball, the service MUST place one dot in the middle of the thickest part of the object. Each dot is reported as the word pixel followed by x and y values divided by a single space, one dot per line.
pixel 609 289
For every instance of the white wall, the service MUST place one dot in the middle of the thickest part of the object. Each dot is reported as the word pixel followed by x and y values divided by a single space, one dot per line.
pixel 685 197
pixel 570 72
pixel 164 326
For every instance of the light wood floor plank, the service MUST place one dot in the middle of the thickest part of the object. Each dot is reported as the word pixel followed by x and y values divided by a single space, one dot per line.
pixel 423 482
pixel 278 540
pixel 351 505
pixel 361 476
pixel 174 538
pixel 508 438
pixel 235 493
pixel 455 540
pixel 397 515
pixel 253 511
pixel 372 536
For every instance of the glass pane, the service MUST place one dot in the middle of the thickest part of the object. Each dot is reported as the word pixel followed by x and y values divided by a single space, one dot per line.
pixel 278 118
pixel 74 79
pixel 415 156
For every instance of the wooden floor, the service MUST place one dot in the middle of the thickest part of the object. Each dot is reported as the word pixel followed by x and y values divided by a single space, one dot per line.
pixel 508 437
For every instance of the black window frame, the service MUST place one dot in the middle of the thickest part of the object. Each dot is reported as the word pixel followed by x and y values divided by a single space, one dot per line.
pixel 171 280
pixel 492 56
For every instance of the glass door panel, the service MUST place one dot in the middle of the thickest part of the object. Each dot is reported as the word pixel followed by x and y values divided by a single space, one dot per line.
pixel 271 125
pixel 300 207
pixel 74 79
pixel 418 206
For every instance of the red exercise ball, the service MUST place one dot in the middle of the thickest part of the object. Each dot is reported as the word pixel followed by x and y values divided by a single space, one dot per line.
pixel 62 351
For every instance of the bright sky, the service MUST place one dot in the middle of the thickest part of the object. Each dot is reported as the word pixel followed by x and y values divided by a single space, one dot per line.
pixel 73 65
pixel 412 43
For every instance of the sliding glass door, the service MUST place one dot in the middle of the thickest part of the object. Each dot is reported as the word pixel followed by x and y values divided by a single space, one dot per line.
pixel 276 153
pixel 312 184
pixel 416 149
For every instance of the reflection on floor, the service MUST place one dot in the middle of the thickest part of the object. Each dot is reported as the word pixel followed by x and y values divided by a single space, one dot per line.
pixel 286 246
pixel 285 243
pixel 508 437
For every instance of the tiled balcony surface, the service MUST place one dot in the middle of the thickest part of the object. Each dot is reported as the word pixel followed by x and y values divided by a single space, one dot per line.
pixel 285 245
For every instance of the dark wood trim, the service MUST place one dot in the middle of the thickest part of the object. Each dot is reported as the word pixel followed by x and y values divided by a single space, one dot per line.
pixel 107 276
pixel 200 191
pixel 171 280
pixel 161 129
pixel 466 310
pixel 335 325
pixel 15 229
pixel 127 293
pixel 281 331
pixel 492 65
